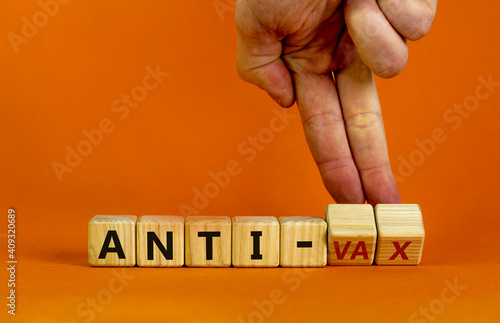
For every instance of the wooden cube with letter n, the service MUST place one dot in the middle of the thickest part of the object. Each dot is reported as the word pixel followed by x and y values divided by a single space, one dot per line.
pixel 352 234
pixel 160 241
pixel 400 234
pixel 303 241
pixel 112 240
pixel 208 241
pixel 256 241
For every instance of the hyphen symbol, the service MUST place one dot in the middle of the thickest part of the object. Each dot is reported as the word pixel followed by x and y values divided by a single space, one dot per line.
pixel 304 244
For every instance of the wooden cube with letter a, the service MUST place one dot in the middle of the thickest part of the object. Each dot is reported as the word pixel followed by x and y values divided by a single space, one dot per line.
pixel 400 234
pixel 112 240
pixel 352 234
pixel 208 241
pixel 303 241
pixel 160 241
pixel 256 241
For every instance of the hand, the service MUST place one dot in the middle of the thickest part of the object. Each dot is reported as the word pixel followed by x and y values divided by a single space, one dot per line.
pixel 290 48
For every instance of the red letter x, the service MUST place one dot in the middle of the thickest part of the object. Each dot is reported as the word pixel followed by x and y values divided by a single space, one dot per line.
pixel 400 250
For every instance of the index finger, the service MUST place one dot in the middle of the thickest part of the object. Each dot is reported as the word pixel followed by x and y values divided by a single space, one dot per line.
pixel 325 133
pixel 365 130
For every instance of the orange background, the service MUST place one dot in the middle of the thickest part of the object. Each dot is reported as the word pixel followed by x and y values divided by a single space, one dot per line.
pixel 63 81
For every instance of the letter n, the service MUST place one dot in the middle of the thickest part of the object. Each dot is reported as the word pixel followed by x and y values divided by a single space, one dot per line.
pixel 166 252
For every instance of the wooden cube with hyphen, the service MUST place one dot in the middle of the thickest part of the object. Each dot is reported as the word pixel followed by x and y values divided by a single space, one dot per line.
pixel 303 241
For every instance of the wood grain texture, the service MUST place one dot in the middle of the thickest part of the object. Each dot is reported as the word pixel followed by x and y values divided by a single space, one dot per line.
pixel 352 234
pixel 400 227
pixel 196 246
pixel 100 227
pixel 160 225
pixel 309 232
pixel 268 231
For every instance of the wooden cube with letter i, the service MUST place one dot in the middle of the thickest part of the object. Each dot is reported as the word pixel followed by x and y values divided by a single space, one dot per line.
pixel 208 241
pixel 352 234
pixel 400 234
pixel 256 241
pixel 112 240
pixel 303 241
pixel 160 241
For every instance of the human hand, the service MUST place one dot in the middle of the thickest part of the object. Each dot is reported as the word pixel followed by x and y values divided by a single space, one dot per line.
pixel 290 48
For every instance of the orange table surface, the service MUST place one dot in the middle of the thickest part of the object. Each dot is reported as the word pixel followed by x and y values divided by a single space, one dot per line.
pixel 72 74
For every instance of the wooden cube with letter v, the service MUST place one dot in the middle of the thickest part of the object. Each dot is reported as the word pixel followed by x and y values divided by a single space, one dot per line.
pixel 400 234
pixel 160 241
pixel 303 241
pixel 112 240
pixel 208 241
pixel 256 241
pixel 352 234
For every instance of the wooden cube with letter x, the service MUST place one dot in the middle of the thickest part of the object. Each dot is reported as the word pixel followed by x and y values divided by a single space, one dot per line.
pixel 256 241
pixel 303 241
pixel 400 234
pixel 208 241
pixel 160 241
pixel 352 234
pixel 112 240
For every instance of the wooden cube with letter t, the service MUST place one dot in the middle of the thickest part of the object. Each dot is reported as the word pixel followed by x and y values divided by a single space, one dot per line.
pixel 112 240
pixel 256 241
pixel 160 241
pixel 208 241
pixel 400 234
pixel 352 234
pixel 303 241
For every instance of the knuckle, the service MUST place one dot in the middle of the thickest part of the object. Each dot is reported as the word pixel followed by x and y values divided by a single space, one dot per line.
pixel 242 71
pixel 392 67
pixel 364 120
pixel 420 25
pixel 334 164
pixel 321 120
pixel 381 168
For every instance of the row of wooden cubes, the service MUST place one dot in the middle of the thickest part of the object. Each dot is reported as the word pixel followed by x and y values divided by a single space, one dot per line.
pixel 353 234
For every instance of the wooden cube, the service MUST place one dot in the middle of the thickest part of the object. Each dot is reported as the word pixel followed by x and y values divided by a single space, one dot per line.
pixel 352 234
pixel 160 241
pixel 208 241
pixel 400 234
pixel 112 240
pixel 256 241
pixel 303 241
